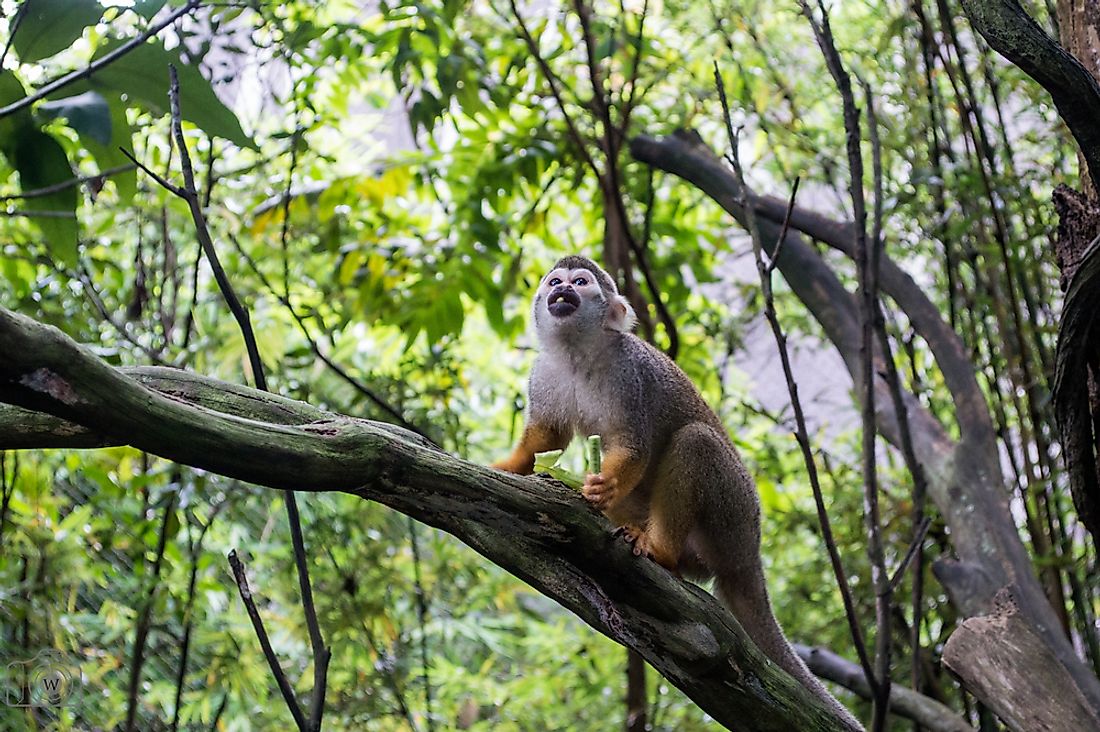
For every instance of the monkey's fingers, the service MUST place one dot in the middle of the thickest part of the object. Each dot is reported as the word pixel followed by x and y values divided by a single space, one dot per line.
pixel 626 533
pixel 598 490
pixel 600 498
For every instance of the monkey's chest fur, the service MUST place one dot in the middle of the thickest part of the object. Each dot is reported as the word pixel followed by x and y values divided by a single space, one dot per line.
pixel 591 393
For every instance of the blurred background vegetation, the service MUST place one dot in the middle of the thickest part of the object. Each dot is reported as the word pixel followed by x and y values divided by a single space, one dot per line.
pixel 385 182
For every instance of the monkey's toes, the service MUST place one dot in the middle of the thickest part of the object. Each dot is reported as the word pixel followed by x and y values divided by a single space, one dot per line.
pixel 626 533
pixel 635 536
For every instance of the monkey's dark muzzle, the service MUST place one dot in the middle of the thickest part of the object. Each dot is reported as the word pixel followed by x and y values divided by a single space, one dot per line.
pixel 563 302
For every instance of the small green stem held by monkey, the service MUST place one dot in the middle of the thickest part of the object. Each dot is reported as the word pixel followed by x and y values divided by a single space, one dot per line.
pixel 671 479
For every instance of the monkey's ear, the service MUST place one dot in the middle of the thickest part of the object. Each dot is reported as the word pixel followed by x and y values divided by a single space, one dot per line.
pixel 620 316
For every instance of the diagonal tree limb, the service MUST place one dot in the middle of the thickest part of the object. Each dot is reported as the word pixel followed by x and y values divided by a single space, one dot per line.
pixel 536 529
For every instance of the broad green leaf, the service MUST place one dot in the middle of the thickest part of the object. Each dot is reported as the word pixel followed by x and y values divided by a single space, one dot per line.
pixel 547 462
pixel 110 155
pixel 42 162
pixel 50 26
pixel 148 8
pixel 86 113
pixel 142 74
pixel 11 90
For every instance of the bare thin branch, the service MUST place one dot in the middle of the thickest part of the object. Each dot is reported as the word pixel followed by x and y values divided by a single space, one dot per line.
pixel 802 433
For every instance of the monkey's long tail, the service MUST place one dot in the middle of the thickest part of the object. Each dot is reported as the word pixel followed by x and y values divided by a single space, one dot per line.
pixel 751 607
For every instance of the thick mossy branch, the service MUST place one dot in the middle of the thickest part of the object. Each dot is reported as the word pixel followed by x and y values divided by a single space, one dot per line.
pixel 536 529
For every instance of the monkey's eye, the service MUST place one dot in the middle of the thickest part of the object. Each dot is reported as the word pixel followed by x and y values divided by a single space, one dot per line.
pixel 554 281
pixel 580 282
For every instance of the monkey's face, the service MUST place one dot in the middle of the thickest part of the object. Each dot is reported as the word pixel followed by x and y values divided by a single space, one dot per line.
pixel 572 303
pixel 566 288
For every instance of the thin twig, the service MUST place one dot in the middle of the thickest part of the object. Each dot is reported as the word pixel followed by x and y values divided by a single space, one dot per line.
pixel 106 60
pixel 85 278
pixel 284 234
pixel 13 28
pixel 321 654
pixel 265 643
pixel 189 192
pixel 67 184
pixel 914 547
pixel 319 353
pixel 802 433
pixel 611 183
pixel 161 181
pixel 422 619
pixel 867 261
pixel 635 67
pixel 773 261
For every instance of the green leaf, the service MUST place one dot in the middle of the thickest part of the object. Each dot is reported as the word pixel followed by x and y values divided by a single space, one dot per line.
pixel 142 74
pixel 41 162
pixel 110 155
pixel 12 90
pixel 547 462
pixel 86 113
pixel 47 27
pixel 148 8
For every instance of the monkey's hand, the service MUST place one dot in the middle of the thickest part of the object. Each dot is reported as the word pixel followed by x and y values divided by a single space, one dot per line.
pixel 622 470
pixel 600 490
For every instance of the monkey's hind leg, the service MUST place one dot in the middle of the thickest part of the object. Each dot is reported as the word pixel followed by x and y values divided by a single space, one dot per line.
pixel 686 475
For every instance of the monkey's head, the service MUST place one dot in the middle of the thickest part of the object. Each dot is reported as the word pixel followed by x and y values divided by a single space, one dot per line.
pixel 577 299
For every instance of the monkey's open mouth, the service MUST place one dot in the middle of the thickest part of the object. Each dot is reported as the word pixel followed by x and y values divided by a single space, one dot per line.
pixel 563 302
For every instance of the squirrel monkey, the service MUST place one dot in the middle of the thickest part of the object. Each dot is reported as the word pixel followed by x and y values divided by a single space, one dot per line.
pixel 671 477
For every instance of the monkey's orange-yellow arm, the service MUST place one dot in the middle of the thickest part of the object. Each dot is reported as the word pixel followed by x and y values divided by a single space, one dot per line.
pixel 536 438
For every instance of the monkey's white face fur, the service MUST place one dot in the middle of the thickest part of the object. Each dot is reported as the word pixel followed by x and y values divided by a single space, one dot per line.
pixel 571 306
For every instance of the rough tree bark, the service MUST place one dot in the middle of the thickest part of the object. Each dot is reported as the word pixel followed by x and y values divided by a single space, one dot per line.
pixel 1070 73
pixel 965 480
pixel 1013 33
pixel 537 529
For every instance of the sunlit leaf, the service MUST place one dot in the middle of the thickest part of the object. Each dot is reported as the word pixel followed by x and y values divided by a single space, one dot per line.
pixel 142 74
pixel 47 27
pixel 86 113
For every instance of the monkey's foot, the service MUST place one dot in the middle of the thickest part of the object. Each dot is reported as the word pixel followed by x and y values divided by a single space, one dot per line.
pixel 644 546
pixel 636 537
pixel 600 490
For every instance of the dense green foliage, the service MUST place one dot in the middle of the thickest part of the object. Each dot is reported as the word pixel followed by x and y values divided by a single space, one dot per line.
pixel 403 248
